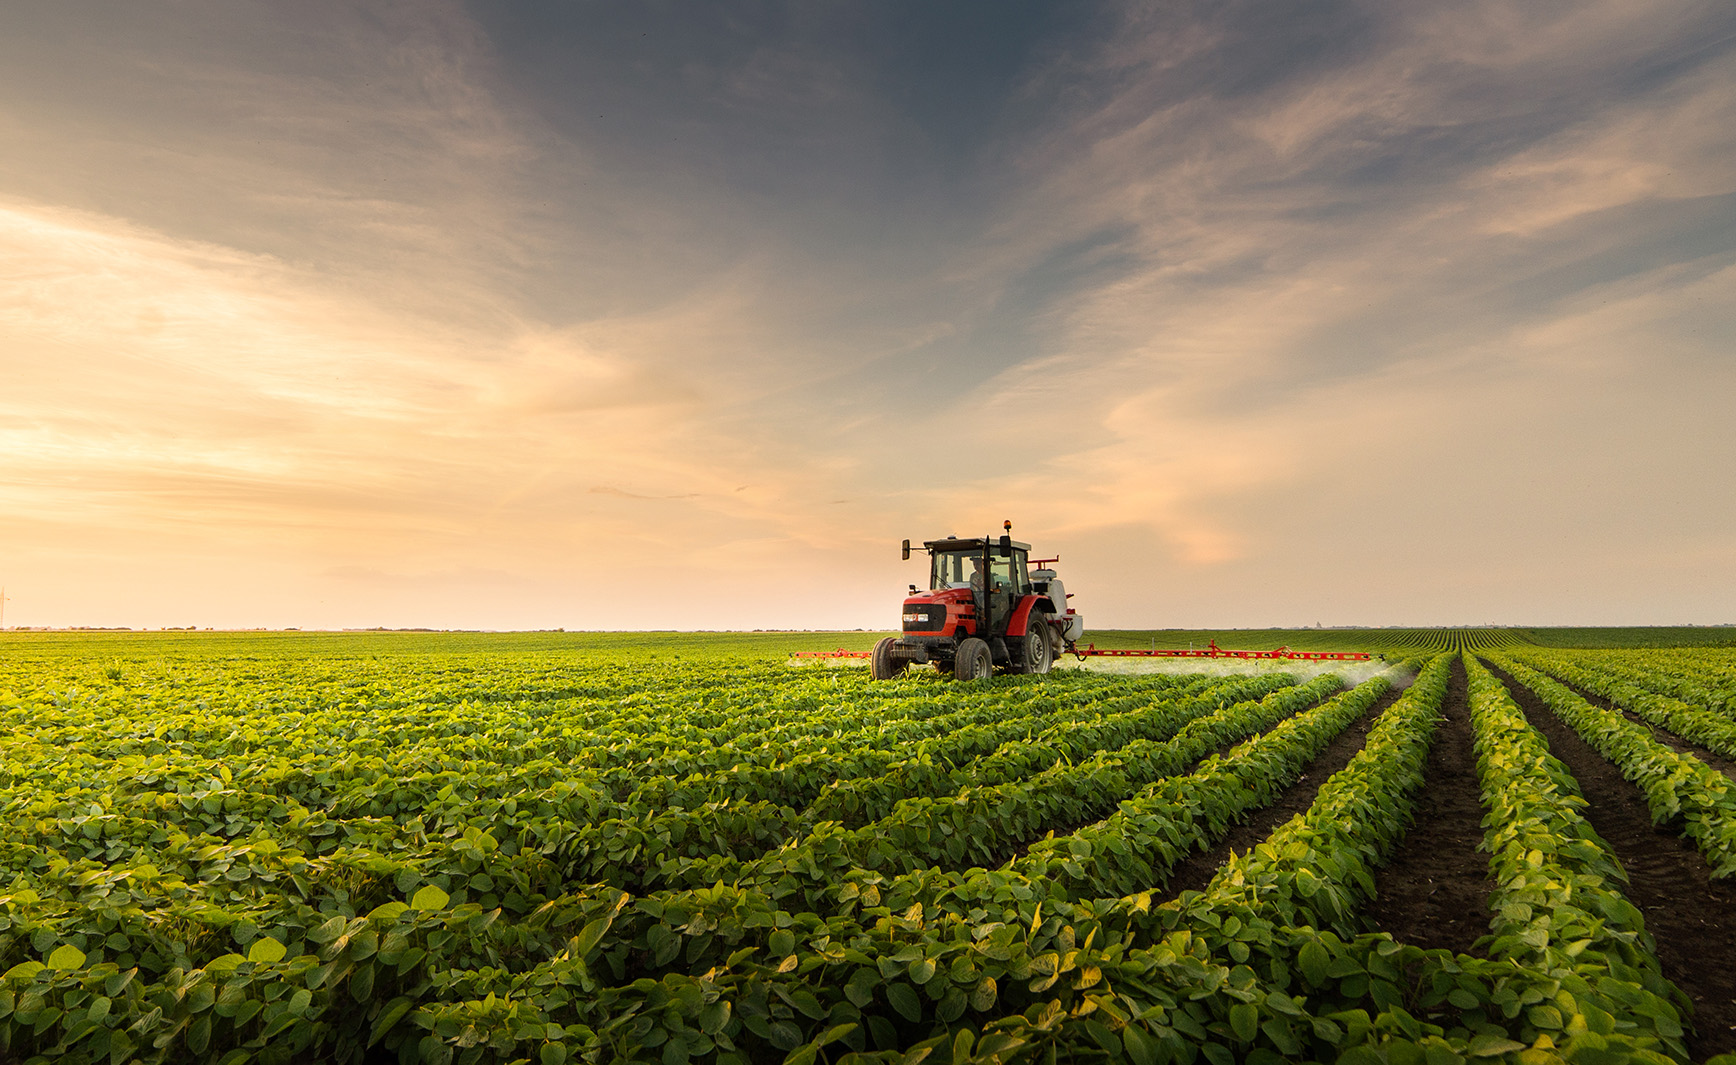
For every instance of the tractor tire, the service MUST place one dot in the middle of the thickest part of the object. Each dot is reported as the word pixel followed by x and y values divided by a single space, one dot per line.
pixel 973 661
pixel 1037 648
pixel 881 663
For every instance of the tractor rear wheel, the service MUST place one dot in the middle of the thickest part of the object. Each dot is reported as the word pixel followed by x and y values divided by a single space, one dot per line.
pixel 973 661
pixel 1038 647
pixel 881 662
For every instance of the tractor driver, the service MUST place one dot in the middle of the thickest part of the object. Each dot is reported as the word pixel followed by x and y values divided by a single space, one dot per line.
pixel 980 577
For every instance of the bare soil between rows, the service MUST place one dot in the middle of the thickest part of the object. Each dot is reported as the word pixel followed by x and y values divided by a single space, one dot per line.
pixel 1196 870
pixel 1691 917
pixel 1434 890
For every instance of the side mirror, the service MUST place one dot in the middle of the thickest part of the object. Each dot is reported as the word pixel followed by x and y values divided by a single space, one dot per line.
pixel 1006 546
pixel 907 550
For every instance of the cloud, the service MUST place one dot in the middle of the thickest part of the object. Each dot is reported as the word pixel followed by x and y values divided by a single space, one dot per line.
pixel 1244 306
pixel 1331 275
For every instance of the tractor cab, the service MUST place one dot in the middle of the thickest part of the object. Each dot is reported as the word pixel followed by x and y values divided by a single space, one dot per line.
pixel 990 579
pixel 983 609
pixel 955 563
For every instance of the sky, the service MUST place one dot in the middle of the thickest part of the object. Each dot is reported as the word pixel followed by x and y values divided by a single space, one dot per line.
pixel 519 315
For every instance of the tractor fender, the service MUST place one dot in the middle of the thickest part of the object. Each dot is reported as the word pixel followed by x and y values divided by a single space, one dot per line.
pixel 1021 616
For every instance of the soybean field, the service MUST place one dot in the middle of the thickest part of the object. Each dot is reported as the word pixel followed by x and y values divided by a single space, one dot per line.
pixel 1502 845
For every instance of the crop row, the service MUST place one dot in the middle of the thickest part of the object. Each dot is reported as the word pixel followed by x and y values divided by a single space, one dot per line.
pixel 871 798
pixel 290 858
pixel 849 759
pixel 1693 678
pixel 228 814
pixel 1280 919
pixel 982 825
pixel 718 843
pixel 1568 975
pixel 379 763
pixel 425 936
pixel 1676 786
pixel 1711 730
pixel 883 972
pixel 1558 905
pixel 41 921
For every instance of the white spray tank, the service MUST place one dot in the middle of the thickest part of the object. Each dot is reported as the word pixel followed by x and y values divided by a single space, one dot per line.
pixel 1046 583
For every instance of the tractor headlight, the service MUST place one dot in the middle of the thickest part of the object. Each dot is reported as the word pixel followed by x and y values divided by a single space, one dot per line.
pixel 916 617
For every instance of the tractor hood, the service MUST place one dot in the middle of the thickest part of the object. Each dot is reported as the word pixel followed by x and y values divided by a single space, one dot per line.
pixel 944 595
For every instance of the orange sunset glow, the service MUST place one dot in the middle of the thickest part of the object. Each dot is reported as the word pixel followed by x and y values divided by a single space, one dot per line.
pixel 611 317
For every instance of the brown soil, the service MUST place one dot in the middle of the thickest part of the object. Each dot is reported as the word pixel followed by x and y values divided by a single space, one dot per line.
pixel 1196 870
pixel 1434 892
pixel 1691 918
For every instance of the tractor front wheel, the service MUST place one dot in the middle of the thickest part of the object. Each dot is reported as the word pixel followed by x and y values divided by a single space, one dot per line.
pixel 881 662
pixel 973 661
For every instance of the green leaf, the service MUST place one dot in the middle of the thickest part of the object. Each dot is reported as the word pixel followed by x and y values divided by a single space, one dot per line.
pixel 1101 1034
pixel 429 898
pixel 201 998
pixel 904 1000
pixel 1218 1054
pixel 921 972
pixel 1491 1046
pixel 859 989
pixel 1327 1031
pixel 835 1033
pixel 1138 1045
pixel 330 930
pixel 199 1034
pixel 362 982
pixel 805 1000
pixel 1278 1031
pixel 389 1016
pixel 590 935
pixel 1244 1021
pixel 25 969
pixel 984 996
pixel 1313 960
pixel 266 950
pixel 66 956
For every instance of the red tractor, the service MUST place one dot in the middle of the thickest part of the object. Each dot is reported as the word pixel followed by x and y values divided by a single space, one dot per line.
pixel 984 609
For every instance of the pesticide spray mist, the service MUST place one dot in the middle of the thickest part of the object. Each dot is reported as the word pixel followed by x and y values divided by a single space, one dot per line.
pixel 1303 669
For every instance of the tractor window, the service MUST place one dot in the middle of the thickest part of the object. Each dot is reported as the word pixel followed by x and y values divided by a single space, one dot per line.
pixel 1009 573
pixel 952 569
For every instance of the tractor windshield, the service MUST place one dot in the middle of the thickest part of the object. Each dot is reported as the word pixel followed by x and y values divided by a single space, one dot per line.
pixel 953 569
